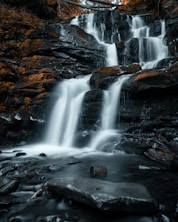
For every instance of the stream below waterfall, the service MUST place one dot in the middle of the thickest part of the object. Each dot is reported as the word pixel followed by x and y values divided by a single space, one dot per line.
pixel 57 156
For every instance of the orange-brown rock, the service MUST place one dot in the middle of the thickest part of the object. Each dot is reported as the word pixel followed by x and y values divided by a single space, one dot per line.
pixel 2 108
pixel 154 7
pixel 131 2
pixel 30 91
pixel 115 70
pixel 41 96
pixel 145 74
pixel 43 8
pixel 35 77
pixel 20 71
pixel 68 11
pixel 154 82
pixel 104 76
pixel 29 47
pixel 27 100
pixel 5 86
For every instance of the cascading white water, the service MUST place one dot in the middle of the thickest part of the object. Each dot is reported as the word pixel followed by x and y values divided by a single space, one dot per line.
pixel 111 104
pixel 111 51
pixel 64 118
pixel 151 49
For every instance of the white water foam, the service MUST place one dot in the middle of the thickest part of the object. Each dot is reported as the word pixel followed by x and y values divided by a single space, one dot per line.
pixel 111 104
pixel 111 51
pixel 64 118
pixel 151 49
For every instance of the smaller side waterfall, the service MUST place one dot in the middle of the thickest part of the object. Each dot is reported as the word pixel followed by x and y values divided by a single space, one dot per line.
pixel 151 49
pixel 111 104
pixel 64 118
pixel 90 28
pixel 109 114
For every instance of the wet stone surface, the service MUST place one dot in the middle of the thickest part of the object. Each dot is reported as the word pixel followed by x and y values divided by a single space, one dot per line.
pixel 27 196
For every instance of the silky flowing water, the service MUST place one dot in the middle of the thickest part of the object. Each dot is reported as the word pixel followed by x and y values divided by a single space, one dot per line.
pixel 64 117
pixel 63 122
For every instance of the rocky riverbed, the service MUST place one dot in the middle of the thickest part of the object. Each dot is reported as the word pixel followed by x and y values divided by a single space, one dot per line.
pixel 27 193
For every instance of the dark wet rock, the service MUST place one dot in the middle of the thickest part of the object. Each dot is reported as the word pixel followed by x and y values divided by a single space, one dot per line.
pixel 161 155
pixel 20 154
pixel 151 126
pixel 105 195
pixel 45 9
pixel 68 10
pixel 9 187
pixel 174 163
pixel 75 42
pixel 133 51
pixel 113 22
pixel 90 114
pixel 105 76
pixel 6 201
pixel 134 144
pixel 162 218
pixel 42 155
pixel 154 82
pixel 132 68
pixel 98 171
pixel 120 46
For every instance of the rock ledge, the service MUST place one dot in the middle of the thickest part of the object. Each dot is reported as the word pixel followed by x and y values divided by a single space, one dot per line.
pixel 105 195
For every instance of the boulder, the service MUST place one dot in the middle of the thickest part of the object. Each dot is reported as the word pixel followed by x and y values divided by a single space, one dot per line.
pixel 151 82
pixel 98 171
pixel 90 114
pixel 105 195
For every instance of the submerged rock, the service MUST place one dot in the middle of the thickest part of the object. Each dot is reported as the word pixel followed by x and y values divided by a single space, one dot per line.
pixel 105 195
pixel 8 187
pixel 98 171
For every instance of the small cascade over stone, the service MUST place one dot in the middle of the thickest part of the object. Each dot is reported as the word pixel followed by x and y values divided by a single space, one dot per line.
pixel 87 22
pixel 142 43
pixel 151 48
pixel 109 114
pixel 111 104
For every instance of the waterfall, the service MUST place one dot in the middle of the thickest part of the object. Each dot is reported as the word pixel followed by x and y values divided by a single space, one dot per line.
pixel 111 104
pixel 90 28
pixel 151 49
pixel 65 114
pixel 64 117
pixel 110 110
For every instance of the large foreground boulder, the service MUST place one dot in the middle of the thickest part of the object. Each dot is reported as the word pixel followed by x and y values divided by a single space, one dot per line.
pixel 105 195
